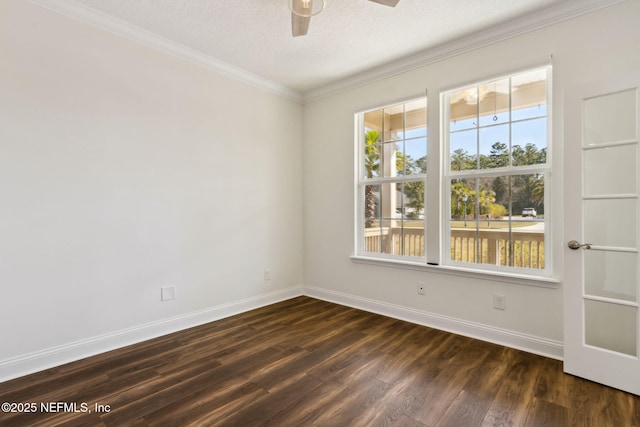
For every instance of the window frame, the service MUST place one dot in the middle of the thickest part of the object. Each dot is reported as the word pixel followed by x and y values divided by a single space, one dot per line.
pixel 437 198
pixel 361 182
pixel 447 175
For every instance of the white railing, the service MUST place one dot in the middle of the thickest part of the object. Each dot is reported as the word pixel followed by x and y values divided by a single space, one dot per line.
pixel 518 248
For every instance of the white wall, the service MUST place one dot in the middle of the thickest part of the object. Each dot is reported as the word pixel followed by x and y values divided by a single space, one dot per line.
pixel 584 49
pixel 123 170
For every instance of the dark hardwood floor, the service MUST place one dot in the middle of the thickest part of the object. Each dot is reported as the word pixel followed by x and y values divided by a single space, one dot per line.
pixel 307 362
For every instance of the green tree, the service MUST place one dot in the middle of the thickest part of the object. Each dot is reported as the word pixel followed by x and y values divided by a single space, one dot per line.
pixel 486 197
pixel 499 155
pixel 461 160
pixel 528 189
pixel 528 155
pixel 500 190
pixel 414 190
pixel 537 194
pixel 458 191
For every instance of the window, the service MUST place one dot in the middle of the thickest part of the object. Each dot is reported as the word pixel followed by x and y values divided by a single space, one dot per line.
pixel 393 155
pixel 492 207
pixel 496 169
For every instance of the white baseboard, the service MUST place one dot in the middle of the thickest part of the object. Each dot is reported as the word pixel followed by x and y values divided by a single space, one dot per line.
pixel 532 344
pixel 56 356
pixel 59 355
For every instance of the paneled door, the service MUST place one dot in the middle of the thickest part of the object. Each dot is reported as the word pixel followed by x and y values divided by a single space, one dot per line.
pixel 602 171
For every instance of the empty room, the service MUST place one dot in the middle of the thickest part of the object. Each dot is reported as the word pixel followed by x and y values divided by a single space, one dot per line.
pixel 320 212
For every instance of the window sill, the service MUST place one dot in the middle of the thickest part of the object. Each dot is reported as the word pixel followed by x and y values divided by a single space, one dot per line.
pixel 514 278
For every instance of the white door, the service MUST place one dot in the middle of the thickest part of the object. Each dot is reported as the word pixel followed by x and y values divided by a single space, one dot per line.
pixel 602 182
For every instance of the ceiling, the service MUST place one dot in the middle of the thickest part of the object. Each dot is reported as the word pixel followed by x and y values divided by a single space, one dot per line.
pixel 347 39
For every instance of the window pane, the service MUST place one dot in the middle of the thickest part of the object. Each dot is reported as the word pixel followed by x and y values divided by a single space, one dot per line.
pixel 413 200
pixel 527 192
pixel 601 318
pixel 529 95
pixel 494 140
pixel 494 102
pixel 397 238
pixel 528 155
pixel 394 223
pixel 463 223
pixel 529 140
pixel 498 155
pixel 392 160
pixel 610 170
pixel 373 239
pixel 488 233
pixel 371 155
pixel 413 239
pixel 373 121
pixel 393 123
pixel 462 200
pixel 611 274
pixel 371 206
pixel 416 119
pixel 610 222
pixel 463 109
pixel 463 146
pixel 389 237
pixel 610 118
pixel 415 155
pixel 391 200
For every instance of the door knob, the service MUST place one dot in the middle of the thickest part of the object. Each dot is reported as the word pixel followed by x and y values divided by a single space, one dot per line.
pixel 574 244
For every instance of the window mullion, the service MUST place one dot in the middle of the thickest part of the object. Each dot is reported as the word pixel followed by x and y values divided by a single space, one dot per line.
pixel 433 187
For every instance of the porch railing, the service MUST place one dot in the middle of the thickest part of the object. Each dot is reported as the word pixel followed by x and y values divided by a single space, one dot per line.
pixel 520 248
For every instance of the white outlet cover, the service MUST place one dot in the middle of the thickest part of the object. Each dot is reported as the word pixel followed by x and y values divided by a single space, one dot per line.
pixel 168 293
pixel 499 301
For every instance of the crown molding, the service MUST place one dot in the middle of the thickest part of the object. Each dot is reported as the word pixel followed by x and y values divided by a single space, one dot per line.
pixel 534 21
pixel 516 27
pixel 136 34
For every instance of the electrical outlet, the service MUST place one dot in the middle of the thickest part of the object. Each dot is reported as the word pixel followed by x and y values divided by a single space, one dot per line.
pixel 499 301
pixel 267 275
pixel 167 293
pixel 420 288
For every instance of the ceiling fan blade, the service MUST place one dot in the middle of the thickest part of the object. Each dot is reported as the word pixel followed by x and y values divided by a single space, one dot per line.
pixel 391 3
pixel 299 25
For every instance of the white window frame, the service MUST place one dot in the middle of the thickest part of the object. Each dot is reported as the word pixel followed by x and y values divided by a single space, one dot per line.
pixel 437 198
pixel 361 183
pixel 447 175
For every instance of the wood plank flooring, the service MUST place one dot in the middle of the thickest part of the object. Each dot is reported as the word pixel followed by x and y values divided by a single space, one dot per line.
pixel 306 362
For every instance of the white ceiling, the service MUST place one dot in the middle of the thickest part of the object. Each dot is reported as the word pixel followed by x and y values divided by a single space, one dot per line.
pixel 348 38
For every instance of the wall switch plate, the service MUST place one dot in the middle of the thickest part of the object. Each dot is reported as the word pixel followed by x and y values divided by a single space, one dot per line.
pixel 267 275
pixel 499 301
pixel 421 288
pixel 167 293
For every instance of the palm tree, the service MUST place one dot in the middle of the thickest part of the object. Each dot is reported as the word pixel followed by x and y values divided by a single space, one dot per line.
pixel 458 191
pixel 537 193
pixel 486 198
pixel 371 165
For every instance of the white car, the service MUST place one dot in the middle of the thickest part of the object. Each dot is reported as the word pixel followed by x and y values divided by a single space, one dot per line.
pixel 529 212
